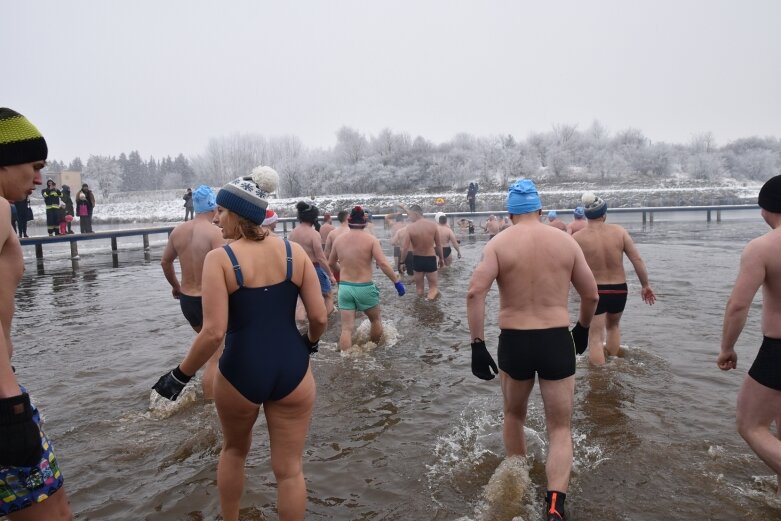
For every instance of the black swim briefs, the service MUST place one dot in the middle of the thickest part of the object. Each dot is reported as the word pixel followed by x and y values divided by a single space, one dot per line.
pixel 766 368
pixel 548 352
pixel 191 309
pixel 408 261
pixel 612 298
pixel 425 263
pixel 446 251
pixel 396 251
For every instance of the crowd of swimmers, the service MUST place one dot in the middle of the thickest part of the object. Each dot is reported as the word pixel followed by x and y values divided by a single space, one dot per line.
pixel 240 269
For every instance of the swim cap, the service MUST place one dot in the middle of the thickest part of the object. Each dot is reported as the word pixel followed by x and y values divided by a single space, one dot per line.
pixel 552 215
pixel 770 195
pixel 523 197
pixel 246 196
pixel 357 218
pixel 204 200
pixel 20 141
pixel 579 212
pixel 271 218
pixel 594 206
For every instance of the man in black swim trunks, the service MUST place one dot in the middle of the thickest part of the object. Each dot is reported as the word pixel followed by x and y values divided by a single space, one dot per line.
pixel 533 265
pixel 190 242
pixel 759 399
pixel 604 246
pixel 427 257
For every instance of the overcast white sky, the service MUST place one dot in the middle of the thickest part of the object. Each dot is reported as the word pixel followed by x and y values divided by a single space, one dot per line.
pixel 164 76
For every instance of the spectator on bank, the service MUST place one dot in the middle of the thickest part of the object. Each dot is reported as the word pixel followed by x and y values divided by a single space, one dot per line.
pixel 51 198
pixel 471 196
pixel 84 212
pixel 13 217
pixel 23 214
pixel 90 199
pixel 66 198
pixel 188 204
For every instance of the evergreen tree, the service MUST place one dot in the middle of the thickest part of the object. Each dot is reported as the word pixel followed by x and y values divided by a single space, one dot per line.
pixel 76 165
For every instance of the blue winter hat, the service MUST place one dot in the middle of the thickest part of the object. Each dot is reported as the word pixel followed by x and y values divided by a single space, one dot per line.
pixel 552 215
pixel 579 212
pixel 246 196
pixel 523 197
pixel 204 200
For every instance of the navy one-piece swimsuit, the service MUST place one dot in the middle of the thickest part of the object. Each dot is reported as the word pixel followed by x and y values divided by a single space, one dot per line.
pixel 265 357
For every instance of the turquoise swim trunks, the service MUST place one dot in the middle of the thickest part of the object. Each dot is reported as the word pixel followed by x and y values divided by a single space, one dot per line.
pixel 358 295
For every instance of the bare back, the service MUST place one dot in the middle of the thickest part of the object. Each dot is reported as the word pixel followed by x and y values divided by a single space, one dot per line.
pixel 190 242
pixel 422 236
pixel 493 227
pixel 306 236
pixel 446 236
pixel 768 249
pixel 604 246
pixel 329 243
pixel 325 229
pixel 355 250
pixel 533 264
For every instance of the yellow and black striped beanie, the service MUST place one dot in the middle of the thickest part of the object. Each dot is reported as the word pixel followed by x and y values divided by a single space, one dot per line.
pixel 20 141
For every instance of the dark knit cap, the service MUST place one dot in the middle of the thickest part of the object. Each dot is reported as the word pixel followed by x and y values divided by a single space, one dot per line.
pixel 307 213
pixel 770 195
pixel 20 141
pixel 357 218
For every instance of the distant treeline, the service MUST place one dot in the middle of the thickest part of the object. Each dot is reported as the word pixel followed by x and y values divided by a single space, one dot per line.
pixel 396 163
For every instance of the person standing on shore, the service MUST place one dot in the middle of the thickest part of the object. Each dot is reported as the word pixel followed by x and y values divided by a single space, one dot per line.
pixel 188 204
pixel 533 265
pixel 759 399
pixel 352 255
pixel 604 246
pixel 23 215
pixel 51 198
pixel 190 242
pixel 28 468
pixel 69 210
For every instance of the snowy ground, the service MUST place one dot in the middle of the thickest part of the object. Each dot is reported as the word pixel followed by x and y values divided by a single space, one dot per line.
pixel 167 206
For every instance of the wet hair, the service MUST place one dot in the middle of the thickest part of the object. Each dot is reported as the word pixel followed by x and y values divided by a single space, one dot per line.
pixel 399 217
pixel 416 208
pixel 442 219
pixel 249 230
pixel 342 215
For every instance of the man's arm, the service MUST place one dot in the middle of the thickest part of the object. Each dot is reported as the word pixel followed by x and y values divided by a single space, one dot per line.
pixel 167 263
pixel 750 278
pixel 405 244
pixel 317 247
pixel 484 275
pixel 382 262
pixel 8 385
pixel 333 258
pixel 586 286
pixel 642 272
pixel 454 242
pixel 438 246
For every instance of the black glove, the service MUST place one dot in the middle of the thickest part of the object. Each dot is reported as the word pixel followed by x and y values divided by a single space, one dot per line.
pixel 482 361
pixel 21 446
pixel 580 337
pixel 312 346
pixel 171 383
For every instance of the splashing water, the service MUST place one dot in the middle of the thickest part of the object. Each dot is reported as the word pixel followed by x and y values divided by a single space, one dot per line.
pixel 363 344
pixel 161 408
pixel 509 493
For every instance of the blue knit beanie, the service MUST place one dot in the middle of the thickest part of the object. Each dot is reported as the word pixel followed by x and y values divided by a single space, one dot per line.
pixel 246 196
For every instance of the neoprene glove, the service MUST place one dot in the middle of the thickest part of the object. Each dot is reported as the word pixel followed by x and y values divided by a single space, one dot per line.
pixel 482 361
pixel 312 346
pixel 21 445
pixel 580 337
pixel 400 288
pixel 171 383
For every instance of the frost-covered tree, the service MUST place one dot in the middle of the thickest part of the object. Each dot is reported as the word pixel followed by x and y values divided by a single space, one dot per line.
pixel 103 174
pixel 351 145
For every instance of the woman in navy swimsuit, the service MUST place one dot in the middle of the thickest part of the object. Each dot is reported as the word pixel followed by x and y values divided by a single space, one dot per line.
pixel 266 360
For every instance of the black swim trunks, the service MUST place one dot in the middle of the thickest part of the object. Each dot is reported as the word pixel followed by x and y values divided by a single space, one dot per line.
pixel 191 309
pixel 425 263
pixel 548 352
pixel 396 251
pixel 446 251
pixel 612 298
pixel 766 368
pixel 408 263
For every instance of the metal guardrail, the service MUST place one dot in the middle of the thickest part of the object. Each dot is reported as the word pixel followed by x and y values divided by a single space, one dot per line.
pixel 112 235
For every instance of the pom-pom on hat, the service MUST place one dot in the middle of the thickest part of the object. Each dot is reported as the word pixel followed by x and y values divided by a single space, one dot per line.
pixel 770 195
pixel 594 207
pixel 522 197
pixel 357 218
pixel 271 218
pixel 20 141
pixel 438 215
pixel 204 200
pixel 246 196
